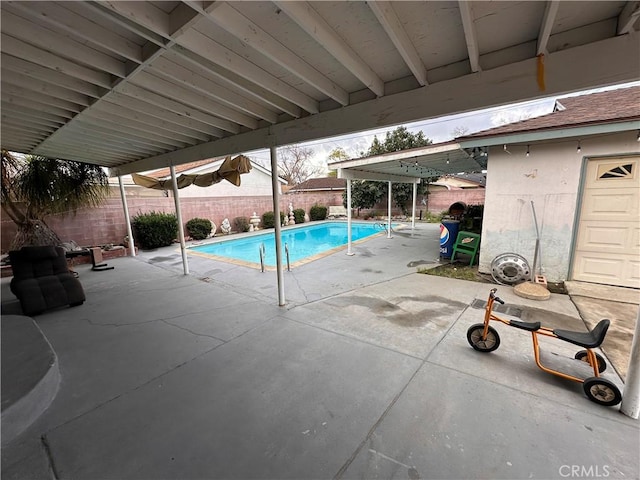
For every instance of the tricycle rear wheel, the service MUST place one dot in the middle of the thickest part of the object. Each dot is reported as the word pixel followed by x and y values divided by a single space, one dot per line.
pixel 582 355
pixel 489 344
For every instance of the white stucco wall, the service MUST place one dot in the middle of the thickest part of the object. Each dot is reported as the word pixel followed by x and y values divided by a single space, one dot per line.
pixel 254 183
pixel 551 178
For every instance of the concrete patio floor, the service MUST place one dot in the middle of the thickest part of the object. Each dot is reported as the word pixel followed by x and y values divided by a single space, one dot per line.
pixel 366 373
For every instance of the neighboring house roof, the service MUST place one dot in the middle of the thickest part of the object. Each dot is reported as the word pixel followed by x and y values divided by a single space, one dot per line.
pixel 597 108
pixel 315 184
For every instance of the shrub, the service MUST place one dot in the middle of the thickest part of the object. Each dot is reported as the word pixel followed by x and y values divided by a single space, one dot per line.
pixel 154 229
pixel 268 219
pixel 199 228
pixel 298 214
pixel 241 224
pixel 318 212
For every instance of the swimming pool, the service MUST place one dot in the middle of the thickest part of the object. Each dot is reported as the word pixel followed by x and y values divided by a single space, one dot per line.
pixel 304 242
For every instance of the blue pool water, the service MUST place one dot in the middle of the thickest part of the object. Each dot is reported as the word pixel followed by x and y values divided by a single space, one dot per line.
pixel 303 242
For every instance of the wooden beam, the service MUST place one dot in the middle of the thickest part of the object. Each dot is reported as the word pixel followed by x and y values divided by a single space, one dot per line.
pixel 50 76
pixel 550 12
pixel 142 94
pixel 311 22
pixel 212 90
pixel 470 34
pixel 568 71
pixel 202 45
pixel 233 80
pixel 65 19
pixel 228 18
pixel 20 49
pixel 34 104
pixel 30 83
pixel 124 110
pixel 387 17
pixel 21 28
pixel 164 114
pixel 189 97
pixel 628 17
pixel 161 23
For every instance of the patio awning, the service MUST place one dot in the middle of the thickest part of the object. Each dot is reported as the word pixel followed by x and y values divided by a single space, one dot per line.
pixel 230 170
pixel 409 166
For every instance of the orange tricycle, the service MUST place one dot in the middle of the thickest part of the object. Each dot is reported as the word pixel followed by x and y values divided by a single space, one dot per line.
pixel 484 338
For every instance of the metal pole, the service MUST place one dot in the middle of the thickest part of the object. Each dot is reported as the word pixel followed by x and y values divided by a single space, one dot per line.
pixel 127 219
pixel 276 211
pixel 389 211
pixel 349 252
pixel 413 208
pixel 176 199
pixel 631 398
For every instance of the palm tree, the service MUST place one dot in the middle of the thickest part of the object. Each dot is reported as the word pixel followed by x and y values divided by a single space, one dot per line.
pixel 35 187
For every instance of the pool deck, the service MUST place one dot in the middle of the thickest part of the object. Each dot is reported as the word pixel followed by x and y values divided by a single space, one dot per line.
pixel 365 373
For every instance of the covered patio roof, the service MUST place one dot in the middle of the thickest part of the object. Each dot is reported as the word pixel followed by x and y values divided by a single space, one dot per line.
pixel 135 86
pixel 409 166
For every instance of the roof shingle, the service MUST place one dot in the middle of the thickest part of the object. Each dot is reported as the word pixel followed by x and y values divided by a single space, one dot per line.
pixel 325 183
pixel 597 108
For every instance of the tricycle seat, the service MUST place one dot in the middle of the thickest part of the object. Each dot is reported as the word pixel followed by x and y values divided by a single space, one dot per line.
pixel 591 339
pixel 529 326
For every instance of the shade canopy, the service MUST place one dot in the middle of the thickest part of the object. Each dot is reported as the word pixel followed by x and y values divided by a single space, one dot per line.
pixel 230 170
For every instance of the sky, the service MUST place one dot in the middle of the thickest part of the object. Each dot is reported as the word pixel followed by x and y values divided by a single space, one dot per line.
pixel 439 130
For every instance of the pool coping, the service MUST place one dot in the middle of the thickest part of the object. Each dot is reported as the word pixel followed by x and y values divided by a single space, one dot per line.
pixel 296 264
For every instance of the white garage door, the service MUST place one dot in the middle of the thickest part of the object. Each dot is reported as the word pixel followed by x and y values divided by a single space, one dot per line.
pixel 608 243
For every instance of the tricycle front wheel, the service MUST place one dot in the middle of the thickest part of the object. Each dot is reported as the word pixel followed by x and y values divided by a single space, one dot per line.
pixel 602 391
pixel 489 344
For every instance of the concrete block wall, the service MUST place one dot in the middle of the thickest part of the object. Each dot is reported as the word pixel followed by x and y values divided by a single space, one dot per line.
pixel 441 200
pixel 106 224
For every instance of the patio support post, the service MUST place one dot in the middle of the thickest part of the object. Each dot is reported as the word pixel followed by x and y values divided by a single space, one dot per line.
pixel 389 213
pixel 176 199
pixel 631 397
pixel 127 218
pixel 413 207
pixel 278 233
pixel 349 252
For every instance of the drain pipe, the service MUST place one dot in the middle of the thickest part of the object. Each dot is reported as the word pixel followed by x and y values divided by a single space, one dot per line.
pixel 631 397
pixel 127 218
pixel 176 199
pixel 278 233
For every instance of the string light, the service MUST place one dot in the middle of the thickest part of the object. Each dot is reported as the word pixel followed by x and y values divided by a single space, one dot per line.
pixel 527 150
pixel 638 137
pixel 579 149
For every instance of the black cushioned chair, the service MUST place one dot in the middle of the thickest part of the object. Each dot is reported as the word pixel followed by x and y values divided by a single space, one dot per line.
pixel 42 280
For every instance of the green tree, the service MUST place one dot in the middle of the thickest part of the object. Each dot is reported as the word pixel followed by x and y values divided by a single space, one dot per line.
pixel 365 193
pixel 396 140
pixel 338 154
pixel 36 187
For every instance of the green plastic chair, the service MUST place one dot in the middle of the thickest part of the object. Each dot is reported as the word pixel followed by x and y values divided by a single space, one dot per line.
pixel 467 243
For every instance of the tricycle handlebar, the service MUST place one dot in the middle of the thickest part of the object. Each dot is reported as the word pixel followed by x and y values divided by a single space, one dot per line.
pixel 495 297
